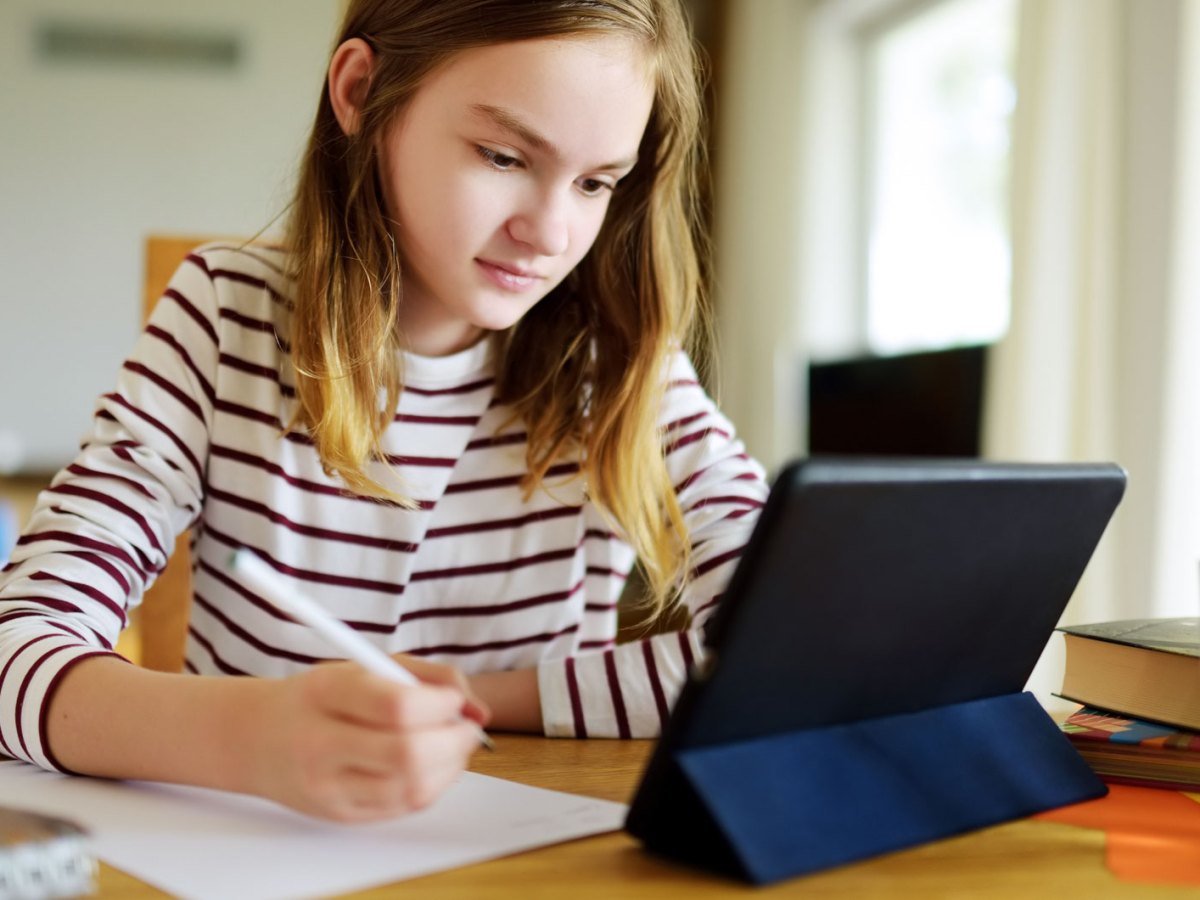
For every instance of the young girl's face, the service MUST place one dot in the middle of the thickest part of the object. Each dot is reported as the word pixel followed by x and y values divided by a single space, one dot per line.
pixel 498 173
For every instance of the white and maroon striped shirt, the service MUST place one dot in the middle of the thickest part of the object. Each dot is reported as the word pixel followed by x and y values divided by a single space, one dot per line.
pixel 476 576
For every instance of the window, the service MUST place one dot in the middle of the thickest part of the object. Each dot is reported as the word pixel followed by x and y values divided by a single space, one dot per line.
pixel 939 91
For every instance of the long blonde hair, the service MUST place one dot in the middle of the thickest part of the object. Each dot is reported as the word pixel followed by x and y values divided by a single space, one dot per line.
pixel 585 369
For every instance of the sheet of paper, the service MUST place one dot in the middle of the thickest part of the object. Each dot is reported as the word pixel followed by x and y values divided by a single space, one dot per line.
pixel 199 844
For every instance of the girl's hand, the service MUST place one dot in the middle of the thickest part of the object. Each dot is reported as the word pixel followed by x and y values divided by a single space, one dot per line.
pixel 341 743
pixel 435 673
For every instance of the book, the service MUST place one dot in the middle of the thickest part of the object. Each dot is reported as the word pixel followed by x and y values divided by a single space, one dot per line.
pixel 1144 668
pixel 43 857
pixel 1125 750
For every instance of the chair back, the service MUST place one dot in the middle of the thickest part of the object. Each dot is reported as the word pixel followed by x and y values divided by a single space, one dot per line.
pixel 162 620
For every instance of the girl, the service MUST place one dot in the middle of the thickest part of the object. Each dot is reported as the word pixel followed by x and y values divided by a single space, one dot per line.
pixel 455 409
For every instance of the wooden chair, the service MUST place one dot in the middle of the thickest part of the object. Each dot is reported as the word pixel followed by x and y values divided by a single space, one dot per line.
pixel 161 622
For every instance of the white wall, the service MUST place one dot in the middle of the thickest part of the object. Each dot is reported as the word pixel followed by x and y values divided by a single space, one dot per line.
pixel 757 217
pixel 93 156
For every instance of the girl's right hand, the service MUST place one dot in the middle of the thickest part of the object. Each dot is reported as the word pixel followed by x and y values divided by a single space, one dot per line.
pixel 341 743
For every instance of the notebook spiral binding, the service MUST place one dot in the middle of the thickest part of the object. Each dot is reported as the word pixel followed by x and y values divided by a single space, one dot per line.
pixel 43 857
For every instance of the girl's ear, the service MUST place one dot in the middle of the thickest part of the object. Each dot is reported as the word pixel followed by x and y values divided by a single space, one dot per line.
pixel 349 76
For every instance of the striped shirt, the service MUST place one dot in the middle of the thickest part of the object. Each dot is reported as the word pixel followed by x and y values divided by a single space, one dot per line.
pixel 477 575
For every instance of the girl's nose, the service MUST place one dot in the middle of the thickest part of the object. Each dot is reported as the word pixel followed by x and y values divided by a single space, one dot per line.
pixel 542 227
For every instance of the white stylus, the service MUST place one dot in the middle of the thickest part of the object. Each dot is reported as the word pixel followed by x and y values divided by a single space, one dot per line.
pixel 356 648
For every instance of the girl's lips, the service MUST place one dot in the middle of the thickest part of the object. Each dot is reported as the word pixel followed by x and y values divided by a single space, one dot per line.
pixel 511 279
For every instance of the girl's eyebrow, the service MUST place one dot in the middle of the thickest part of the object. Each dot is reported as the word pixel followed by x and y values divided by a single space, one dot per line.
pixel 510 122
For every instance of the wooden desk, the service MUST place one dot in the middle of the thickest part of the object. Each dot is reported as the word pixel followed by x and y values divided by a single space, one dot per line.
pixel 1023 859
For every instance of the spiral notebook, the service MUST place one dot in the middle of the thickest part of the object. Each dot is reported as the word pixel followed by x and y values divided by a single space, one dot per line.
pixel 43 857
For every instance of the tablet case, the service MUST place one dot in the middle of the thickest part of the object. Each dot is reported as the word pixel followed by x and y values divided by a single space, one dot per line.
pixel 863 689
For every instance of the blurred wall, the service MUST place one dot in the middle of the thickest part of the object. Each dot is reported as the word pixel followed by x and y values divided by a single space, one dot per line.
pixel 120 119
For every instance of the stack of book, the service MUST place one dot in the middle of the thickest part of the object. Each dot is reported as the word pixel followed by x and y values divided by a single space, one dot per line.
pixel 1139 683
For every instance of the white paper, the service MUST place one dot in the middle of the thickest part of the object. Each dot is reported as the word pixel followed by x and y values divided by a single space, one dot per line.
pixel 199 844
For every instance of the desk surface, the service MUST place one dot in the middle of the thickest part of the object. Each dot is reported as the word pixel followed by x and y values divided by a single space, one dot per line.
pixel 1023 859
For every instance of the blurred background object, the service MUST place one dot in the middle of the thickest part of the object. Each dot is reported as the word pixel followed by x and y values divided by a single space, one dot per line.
pixel 8 530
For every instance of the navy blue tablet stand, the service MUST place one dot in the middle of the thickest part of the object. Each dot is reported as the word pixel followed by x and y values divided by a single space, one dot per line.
pixel 775 807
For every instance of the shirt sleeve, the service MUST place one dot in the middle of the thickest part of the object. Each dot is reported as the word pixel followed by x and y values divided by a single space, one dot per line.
pixel 106 525
pixel 628 690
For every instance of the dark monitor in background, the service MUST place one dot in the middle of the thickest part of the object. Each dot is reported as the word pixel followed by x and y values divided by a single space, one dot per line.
pixel 915 404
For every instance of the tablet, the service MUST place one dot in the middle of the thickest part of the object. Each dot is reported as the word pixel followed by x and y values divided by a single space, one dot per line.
pixel 871 588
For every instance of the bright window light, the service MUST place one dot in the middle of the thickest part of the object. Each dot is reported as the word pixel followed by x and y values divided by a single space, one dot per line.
pixel 942 92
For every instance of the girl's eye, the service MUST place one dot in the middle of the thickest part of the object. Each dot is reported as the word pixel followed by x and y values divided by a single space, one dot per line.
pixel 497 160
pixel 593 187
